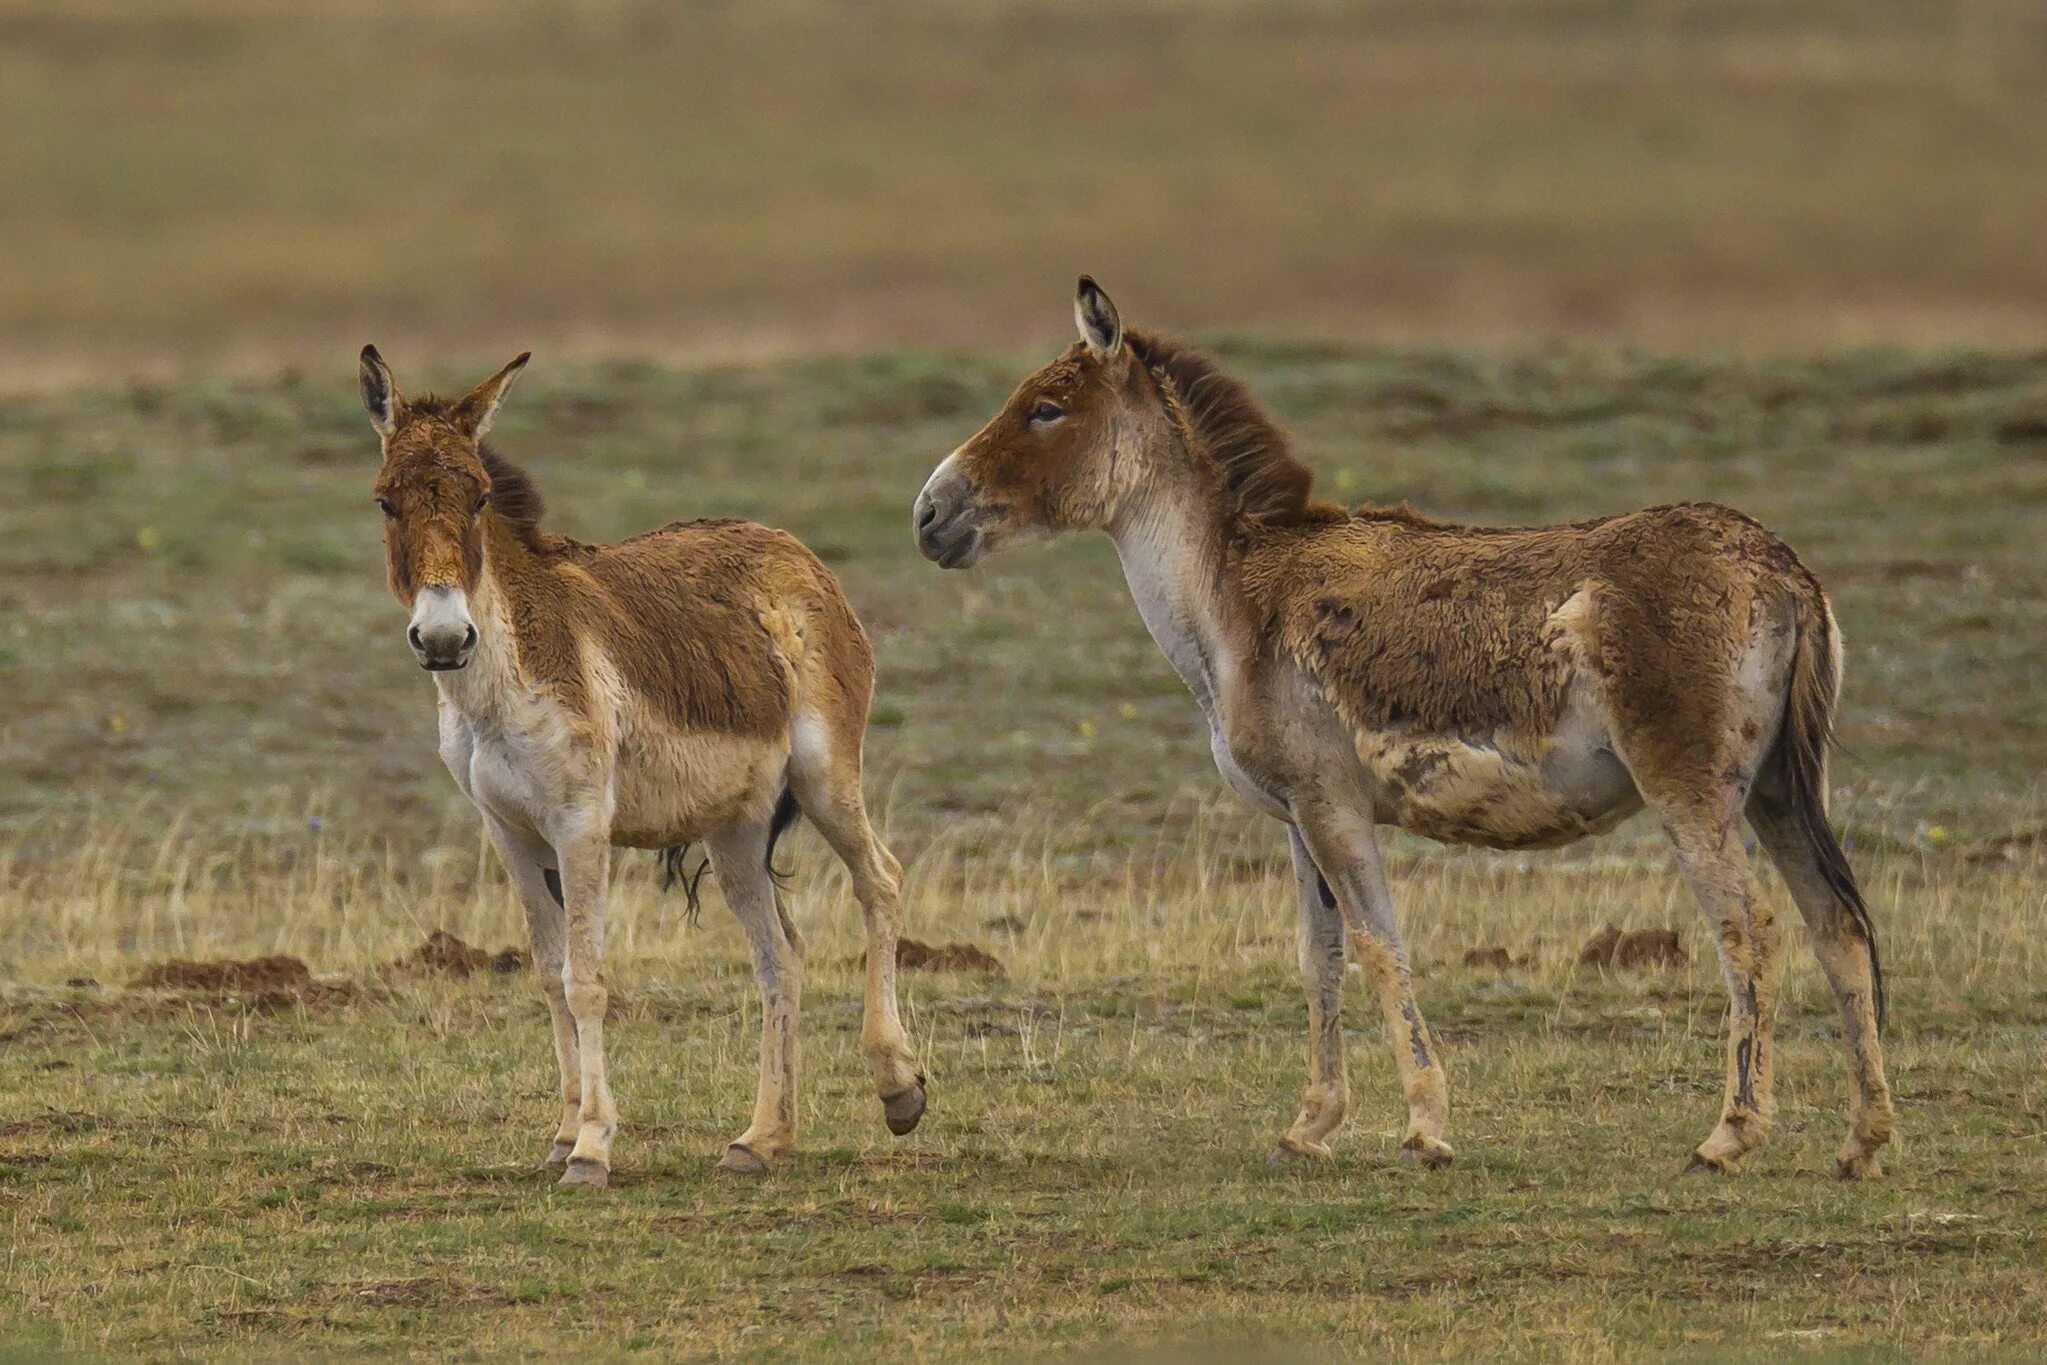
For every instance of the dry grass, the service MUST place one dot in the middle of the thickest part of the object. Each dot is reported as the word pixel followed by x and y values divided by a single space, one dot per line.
pixel 214 745
pixel 193 1172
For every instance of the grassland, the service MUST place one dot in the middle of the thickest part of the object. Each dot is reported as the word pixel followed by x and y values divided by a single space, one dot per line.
pixel 213 743
pixel 195 185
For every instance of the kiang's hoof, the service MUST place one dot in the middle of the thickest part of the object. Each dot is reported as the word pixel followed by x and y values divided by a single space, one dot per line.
pixel 903 1110
pixel 558 1156
pixel 586 1174
pixel 1705 1165
pixel 740 1159
pixel 1431 1154
pixel 1860 1167
pixel 1285 1153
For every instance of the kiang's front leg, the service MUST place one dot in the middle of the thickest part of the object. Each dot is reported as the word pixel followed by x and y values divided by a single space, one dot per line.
pixel 1345 848
pixel 1322 967
pixel 585 855
pixel 529 862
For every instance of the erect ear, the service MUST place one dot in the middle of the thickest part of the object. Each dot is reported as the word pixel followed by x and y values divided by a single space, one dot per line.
pixel 475 413
pixel 1099 326
pixel 379 393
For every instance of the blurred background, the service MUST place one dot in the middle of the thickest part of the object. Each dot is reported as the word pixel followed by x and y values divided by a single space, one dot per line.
pixel 244 184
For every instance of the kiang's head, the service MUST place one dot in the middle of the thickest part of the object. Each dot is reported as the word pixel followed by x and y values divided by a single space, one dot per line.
pixel 1049 461
pixel 433 490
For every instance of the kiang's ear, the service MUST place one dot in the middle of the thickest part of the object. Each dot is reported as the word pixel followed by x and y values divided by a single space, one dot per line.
pixel 475 413
pixel 1096 317
pixel 380 393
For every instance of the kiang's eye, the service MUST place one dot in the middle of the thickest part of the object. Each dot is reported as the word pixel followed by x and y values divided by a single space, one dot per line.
pixel 386 508
pixel 481 503
pixel 1047 411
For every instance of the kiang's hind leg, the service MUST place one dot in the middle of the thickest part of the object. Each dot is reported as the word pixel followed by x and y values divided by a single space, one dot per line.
pixel 1845 956
pixel 1696 779
pixel 740 858
pixel 1716 867
pixel 824 774
pixel 530 863
pixel 1344 846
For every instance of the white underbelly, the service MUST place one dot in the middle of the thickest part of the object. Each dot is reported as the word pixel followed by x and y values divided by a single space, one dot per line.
pixel 1502 792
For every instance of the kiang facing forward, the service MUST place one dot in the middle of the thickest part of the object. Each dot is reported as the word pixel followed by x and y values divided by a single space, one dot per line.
pixel 1505 687
pixel 703 682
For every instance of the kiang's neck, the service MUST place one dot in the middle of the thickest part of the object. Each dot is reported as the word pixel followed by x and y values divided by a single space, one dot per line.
pixel 1172 534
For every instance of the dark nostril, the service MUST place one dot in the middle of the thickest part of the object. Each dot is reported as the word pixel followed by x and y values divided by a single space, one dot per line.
pixel 927 512
pixel 469 637
pixel 412 638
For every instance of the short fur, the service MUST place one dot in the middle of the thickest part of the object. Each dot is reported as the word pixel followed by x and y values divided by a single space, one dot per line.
pixel 703 682
pixel 1514 687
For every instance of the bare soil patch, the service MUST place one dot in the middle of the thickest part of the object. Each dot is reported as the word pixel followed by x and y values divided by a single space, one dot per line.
pixel 279 981
pixel 443 954
pixel 914 956
pixel 1636 949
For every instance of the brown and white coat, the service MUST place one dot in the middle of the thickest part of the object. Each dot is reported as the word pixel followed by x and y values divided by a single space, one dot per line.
pixel 705 682
pixel 1506 687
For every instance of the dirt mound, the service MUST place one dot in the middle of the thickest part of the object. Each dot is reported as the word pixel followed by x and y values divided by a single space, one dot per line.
pixel 264 983
pixel 913 956
pixel 1497 958
pixel 278 972
pixel 1639 948
pixel 442 954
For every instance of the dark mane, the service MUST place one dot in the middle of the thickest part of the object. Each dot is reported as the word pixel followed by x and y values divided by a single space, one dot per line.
pixel 1264 479
pixel 517 502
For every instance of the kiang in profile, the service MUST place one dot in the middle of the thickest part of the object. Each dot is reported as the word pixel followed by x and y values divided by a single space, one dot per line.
pixel 1510 688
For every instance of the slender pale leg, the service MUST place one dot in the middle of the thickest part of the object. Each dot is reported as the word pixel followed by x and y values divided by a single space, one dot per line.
pixel 1715 866
pixel 586 878
pixel 1844 957
pixel 831 797
pixel 1345 847
pixel 739 856
pixel 1322 966
pixel 529 861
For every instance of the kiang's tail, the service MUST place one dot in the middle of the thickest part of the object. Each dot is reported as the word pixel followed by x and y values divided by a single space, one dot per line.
pixel 675 870
pixel 1800 760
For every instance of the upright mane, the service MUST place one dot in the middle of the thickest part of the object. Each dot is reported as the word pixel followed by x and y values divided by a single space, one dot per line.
pixel 1264 479
pixel 517 502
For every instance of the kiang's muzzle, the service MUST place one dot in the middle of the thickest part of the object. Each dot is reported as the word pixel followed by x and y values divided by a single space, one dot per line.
pixel 441 633
pixel 947 521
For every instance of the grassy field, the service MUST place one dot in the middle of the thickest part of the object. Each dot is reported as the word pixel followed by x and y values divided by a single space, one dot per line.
pixel 214 742
pixel 196 185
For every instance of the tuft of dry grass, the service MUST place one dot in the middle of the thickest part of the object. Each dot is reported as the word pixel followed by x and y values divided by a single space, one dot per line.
pixel 214 1172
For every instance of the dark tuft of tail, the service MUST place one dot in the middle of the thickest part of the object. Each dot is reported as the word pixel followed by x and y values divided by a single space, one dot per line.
pixel 1800 759
pixel 675 870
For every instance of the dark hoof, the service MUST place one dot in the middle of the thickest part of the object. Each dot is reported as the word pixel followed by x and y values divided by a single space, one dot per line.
pixel 1701 1166
pixel 1431 1154
pixel 902 1111
pixel 584 1172
pixel 558 1157
pixel 740 1159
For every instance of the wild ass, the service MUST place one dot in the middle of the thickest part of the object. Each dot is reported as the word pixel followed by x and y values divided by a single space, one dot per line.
pixel 1511 688
pixel 703 682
